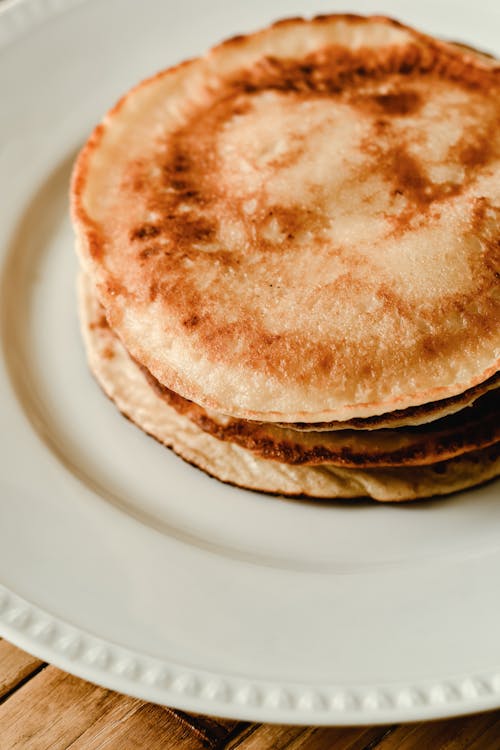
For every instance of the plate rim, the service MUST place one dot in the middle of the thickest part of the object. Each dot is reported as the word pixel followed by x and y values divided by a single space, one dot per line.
pixel 103 662
pixel 159 681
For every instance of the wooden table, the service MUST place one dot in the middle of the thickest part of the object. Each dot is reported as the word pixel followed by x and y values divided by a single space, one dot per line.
pixel 42 708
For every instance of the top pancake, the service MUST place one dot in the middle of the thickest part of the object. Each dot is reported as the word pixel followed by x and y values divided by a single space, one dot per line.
pixel 304 224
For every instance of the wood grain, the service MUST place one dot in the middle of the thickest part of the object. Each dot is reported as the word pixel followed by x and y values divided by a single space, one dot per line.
pixel 479 732
pixel 280 737
pixel 71 703
pixel 15 667
pixel 141 726
pixel 42 708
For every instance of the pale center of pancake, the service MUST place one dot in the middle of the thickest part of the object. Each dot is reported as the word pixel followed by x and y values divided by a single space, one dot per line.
pixel 340 176
pixel 365 184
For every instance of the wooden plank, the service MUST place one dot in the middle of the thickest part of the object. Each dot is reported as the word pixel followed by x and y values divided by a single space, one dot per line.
pixel 478 732
pixel 340 738
pixel 57 711
pixel 15 667
pixel 263 736
pixel 51 711
pixel 142 726
pixel 108 722
pixel 277 737
pixel 489 735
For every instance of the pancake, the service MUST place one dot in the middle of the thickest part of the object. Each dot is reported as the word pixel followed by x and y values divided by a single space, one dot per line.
pixel 125 383
pixel 412 417
pixel 472 428
pixel 304 224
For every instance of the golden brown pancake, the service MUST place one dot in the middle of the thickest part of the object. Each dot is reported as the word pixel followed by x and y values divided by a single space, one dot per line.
pixel 412 417
pixel 125 383
pixel 304 224
pixel 474 427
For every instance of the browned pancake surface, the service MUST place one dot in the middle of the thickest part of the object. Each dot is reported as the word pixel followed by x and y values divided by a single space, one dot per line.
pixel 474 427
pixel 413 416
pixel 305 225
pixel 126 384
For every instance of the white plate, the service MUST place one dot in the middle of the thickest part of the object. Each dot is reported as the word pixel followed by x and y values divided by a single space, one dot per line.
pixel 122 564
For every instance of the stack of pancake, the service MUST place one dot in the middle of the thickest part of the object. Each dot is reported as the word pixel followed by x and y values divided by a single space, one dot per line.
pixel 290 254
